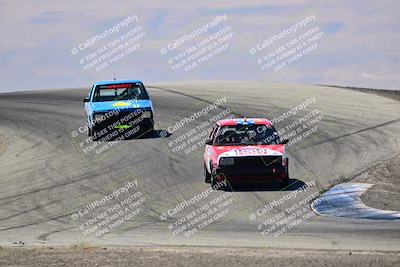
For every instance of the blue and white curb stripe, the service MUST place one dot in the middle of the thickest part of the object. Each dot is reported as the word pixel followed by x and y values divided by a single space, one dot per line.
pixel 344 200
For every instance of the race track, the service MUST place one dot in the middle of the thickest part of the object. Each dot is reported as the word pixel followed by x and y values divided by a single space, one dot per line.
pixel 46 177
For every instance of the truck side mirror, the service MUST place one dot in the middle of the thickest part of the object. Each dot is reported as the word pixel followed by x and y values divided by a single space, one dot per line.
pixel 209 142
pixel 86 99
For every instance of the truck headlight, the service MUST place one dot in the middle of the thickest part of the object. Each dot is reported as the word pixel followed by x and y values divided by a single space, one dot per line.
pixel 146 114
pixel 99 117
pixel 226 161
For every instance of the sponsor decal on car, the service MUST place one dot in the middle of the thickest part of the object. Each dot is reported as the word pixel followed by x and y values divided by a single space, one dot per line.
pixel 121 104
pixel 250 152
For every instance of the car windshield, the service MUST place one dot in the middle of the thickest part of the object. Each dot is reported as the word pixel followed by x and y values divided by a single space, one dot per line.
pixel 123 91
pixel 254 134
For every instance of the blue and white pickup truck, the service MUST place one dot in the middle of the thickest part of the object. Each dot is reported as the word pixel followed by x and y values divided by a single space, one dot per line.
pixel 118 105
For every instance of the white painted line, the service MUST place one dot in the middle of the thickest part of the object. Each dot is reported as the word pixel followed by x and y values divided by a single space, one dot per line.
pixel 344 200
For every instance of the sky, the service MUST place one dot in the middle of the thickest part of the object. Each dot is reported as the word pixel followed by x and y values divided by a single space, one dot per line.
pixel 352 43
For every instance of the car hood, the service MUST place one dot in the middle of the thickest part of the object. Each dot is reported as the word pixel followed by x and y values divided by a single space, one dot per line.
pixel 248 151
pixel 121 104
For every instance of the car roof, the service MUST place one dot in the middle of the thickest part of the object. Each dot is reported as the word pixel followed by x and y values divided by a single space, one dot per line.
pixel 116 82
pixel 241 121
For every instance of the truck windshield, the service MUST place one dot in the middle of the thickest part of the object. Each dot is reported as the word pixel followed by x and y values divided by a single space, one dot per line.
pixel 255 134
pixel 123 91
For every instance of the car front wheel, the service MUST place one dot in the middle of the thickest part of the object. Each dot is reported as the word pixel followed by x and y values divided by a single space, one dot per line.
pixel 90 131
pixel 214 182
pixel 207 175
pixel 285 182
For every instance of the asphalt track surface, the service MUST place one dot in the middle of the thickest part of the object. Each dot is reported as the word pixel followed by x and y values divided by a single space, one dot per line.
pixel 45 177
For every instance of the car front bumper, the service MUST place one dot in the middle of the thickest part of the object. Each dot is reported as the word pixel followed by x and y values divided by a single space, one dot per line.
pixel 124 121
pixel 253 171
pixel 245 176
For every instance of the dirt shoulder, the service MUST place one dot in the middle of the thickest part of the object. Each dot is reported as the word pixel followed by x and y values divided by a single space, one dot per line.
pixel 385 194
pixel 188 256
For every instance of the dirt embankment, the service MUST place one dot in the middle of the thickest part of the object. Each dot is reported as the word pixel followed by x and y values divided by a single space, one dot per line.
pixel 189 256
pixel 385 194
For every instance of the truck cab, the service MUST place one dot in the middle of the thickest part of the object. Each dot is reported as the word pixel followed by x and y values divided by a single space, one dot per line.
pixel 120 105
